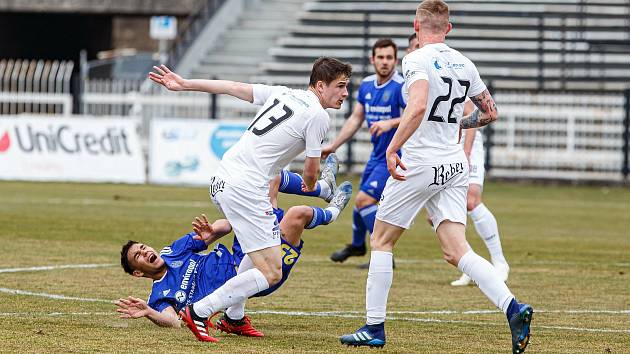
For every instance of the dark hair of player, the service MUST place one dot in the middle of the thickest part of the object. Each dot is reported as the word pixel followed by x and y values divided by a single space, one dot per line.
pixel 384 43
pixel 328 69
pixel 124 261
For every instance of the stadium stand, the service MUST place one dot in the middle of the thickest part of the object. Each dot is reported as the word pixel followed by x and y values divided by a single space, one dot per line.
pixel 561 44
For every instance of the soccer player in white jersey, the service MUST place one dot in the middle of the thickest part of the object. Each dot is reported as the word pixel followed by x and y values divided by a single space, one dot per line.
pixel 483 219
pixel 288 123
pixel 433 172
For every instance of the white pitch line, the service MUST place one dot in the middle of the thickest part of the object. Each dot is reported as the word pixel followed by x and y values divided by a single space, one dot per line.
pixel 51 296
pixel 63 266
pixel 328 315
pixel 123 200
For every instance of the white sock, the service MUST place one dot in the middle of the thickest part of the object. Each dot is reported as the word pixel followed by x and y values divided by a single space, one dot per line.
pixel 486 226
pixel 334 211
pixel 234 291
pixel 324 189
pixel 377 287
pixel 486 277
pixel 237 311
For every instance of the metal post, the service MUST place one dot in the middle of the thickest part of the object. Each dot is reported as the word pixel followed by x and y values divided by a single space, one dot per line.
pixel 349 154
pixel 366 42
pixel 489 130
pixel 541 52
pixel 626 134
pixel 213 103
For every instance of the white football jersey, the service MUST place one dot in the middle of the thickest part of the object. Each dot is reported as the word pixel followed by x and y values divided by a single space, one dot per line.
pixel 289 122
pixel 452 77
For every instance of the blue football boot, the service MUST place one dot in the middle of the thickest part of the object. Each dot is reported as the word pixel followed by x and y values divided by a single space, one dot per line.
pixel 519 325
pixel 370 336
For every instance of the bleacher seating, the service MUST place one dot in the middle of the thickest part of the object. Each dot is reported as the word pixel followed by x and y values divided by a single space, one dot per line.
pixel 516 44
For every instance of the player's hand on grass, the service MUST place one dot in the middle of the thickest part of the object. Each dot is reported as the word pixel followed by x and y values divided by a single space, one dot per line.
pixel 132 307
pixel 381 127
pixel 393 161
pixel 202 228
pixel 165 77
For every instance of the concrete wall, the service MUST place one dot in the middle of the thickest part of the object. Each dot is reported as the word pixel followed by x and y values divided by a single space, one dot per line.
pixel 147 7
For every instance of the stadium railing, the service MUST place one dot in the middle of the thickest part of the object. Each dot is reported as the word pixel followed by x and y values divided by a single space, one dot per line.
pixel 35 86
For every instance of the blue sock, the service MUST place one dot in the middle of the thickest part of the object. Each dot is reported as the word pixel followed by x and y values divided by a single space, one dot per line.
pixel 320 216
pixel 291 183
pixel 368 214
pixel 512 309
pixel 358 229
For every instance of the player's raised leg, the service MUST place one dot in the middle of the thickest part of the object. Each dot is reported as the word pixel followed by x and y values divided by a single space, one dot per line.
pixel 291 182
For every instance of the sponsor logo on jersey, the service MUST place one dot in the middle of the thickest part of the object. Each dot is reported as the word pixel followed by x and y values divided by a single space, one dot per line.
pixel 176 264
pixel 166 251
pixel 191 267
pixel 374 184
pixel 368 96
pixel 166 292
pixel 180 296
pixel 436 63
pixel 442 174
pixel 216 185
pixel 378 109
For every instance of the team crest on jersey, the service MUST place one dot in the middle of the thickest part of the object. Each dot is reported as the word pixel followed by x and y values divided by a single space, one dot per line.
pixel 409 74
pixel 386 95
pixel 176 264
pixel 180 296
pixel 436 63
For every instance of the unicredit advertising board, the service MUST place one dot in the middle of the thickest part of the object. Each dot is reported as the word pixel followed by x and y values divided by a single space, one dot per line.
pixel 70 149
pixel 188 151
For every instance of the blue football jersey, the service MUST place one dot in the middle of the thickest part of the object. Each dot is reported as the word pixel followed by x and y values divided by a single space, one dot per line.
pixel 190 276
pixel 382 102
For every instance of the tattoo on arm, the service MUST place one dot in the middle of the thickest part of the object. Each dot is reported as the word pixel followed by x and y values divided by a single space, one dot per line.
pixel 486 112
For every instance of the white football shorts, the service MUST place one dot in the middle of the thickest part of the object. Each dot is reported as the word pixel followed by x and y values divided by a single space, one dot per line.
pixel 250 214
pixel 441 189
pixel 477 163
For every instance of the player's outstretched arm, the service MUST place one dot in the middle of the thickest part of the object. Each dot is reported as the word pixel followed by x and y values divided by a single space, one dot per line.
pixel 485 114
pixel 410 121
pixel 132 308
pixel 210 233
pixel 350 127
pixel 165 77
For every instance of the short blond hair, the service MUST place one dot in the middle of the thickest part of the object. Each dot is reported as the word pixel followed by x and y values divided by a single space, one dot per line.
pixel 433 16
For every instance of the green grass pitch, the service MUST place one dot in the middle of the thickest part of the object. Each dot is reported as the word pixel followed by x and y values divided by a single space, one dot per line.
pixel 568 248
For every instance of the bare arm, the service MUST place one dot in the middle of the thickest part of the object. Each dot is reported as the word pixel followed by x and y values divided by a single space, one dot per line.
pixel 210 233
pixel 132 308
pixel 410 121
pixel 485 114
pixel 348 130
pixel 165 77
pixel 311 171
pixel 469 138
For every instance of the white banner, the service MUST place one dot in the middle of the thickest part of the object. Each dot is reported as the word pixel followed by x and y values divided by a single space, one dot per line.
pixel 70 149
pixel 188 151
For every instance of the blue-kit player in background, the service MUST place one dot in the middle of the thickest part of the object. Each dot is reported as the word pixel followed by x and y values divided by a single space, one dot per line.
pixel 380 102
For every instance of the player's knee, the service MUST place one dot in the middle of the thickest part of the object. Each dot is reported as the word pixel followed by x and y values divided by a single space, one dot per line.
pixel 381 244
pixel 363 200
pixel 471 204
pixel 453 255
pixel 273 275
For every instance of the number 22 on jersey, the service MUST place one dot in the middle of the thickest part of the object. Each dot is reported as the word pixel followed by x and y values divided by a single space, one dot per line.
pixel 446 98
